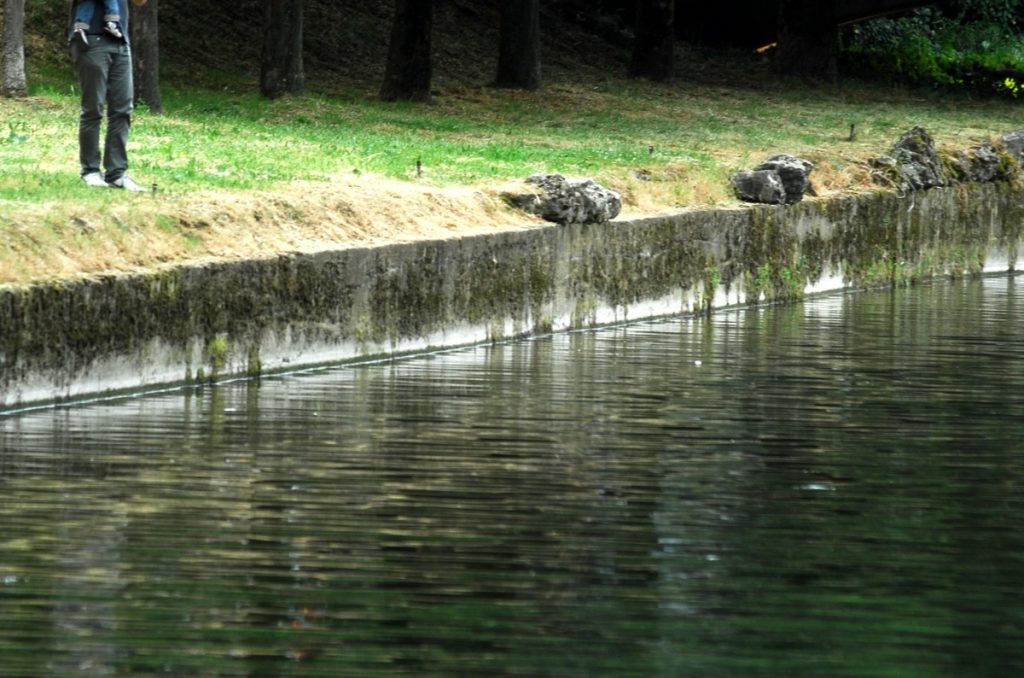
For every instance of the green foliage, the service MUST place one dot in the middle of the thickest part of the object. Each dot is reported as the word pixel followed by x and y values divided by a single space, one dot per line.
pixel 712 281
pixel 975 46
pixel 217 350
pixel 1007 13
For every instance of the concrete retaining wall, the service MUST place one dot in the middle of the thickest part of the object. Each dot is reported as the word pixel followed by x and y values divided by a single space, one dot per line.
pixel 69 340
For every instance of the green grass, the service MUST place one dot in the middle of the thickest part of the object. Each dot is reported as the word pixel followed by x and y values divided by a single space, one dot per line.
pixel 237 141
pixel 231 140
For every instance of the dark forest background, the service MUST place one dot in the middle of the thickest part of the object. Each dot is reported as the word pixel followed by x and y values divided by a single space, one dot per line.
pixel 958 43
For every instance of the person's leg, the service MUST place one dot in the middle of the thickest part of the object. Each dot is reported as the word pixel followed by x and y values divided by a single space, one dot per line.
pixel 120 99
pixel 92 65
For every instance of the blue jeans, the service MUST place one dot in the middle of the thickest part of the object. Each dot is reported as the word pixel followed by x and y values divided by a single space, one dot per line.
pixel 104 69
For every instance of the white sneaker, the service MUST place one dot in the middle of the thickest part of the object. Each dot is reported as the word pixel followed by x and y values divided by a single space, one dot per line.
pixel 127 184
pixel 94 179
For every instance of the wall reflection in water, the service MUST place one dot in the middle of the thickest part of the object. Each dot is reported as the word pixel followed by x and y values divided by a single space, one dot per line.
pixel 826 488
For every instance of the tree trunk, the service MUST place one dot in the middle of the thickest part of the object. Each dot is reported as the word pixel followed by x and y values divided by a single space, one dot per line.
pixel 281 70
pixel 13 56
pixel 655 40
pixel 519 53
pixel 409 68
pixel 808 39
pixel 145 34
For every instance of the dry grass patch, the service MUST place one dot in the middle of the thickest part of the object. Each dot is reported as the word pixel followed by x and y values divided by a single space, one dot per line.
pixel 133 232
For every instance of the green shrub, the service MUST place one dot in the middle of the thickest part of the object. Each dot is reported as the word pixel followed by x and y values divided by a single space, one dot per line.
pixel 973 45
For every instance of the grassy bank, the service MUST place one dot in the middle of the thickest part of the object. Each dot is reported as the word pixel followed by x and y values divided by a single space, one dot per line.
pixel 240 176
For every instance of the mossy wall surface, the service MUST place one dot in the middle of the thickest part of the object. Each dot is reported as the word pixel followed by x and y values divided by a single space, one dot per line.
pixel 68 340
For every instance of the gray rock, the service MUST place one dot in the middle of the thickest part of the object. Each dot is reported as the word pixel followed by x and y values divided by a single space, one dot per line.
pixel 793 172
pixel 885 162
pixel 759 186
pixel 1014 145
pixel 984 164
pixel 917 161
pixel 565 201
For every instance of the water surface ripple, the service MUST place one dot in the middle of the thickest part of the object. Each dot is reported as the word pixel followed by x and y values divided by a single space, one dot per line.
pixel 829 488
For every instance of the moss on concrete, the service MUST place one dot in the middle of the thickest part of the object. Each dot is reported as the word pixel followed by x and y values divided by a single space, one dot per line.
pixel 68 339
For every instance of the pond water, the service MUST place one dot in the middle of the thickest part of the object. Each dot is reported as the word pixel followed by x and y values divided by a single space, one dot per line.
pixel 828 488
